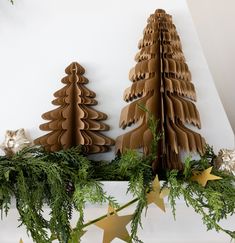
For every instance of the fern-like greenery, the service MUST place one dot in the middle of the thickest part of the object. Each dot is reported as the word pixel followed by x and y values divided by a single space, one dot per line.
pixel 62 180
pixel 66 180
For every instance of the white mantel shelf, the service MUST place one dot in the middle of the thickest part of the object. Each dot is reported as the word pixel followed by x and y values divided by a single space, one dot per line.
pixel 158 227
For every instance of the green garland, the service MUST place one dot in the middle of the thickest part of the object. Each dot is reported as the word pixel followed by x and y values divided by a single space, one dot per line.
pixel 214 202
pixel 66 180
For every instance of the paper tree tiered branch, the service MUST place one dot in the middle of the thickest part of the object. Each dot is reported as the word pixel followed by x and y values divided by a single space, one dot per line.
pixel 162 83
pixel 75 122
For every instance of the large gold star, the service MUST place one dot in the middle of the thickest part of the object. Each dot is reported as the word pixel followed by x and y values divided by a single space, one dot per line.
pixel 156 195
pixel 114 226
pixel 205 176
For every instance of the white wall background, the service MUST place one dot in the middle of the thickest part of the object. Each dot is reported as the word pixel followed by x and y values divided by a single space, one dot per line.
pixel 39 38
pixel 214 20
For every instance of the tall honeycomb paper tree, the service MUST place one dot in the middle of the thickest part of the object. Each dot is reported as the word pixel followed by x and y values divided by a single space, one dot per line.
pixel 75 122
pixel 162 83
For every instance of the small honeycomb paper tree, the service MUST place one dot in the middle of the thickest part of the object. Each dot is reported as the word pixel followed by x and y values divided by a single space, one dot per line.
pixel 162 83
pixel 75 122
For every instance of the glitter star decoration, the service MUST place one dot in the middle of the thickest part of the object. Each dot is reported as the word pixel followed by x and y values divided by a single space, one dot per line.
pixel 156 195
pixel 114 226
pixel 205 176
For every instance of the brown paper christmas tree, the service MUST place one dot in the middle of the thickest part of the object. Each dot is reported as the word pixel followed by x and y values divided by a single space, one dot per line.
pixel 75 122
pixel 162 83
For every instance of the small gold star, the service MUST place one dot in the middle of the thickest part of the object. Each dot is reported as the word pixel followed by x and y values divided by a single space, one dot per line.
pixel 114 226
pixel 156 195
pixel 21 241
pixel 205 176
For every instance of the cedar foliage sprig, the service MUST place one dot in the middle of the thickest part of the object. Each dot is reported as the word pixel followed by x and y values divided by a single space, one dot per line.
pixel 214 202
pixel 35 177
pixel 137 168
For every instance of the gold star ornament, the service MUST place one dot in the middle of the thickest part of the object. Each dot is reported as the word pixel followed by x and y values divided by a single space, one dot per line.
pixel 205 176
pixel 21 241
pixel 156 195
pixel 114 226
